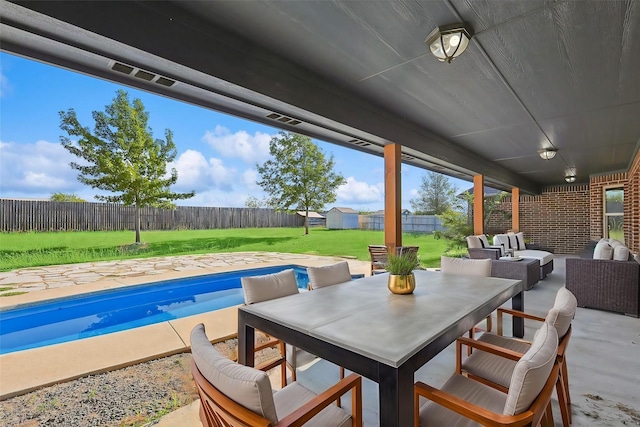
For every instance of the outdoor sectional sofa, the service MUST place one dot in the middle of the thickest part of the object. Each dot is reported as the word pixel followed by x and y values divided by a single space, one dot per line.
pixel 478 247
pixel 606 284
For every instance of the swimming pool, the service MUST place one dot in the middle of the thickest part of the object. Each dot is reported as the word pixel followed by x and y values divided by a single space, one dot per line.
pixel 99 313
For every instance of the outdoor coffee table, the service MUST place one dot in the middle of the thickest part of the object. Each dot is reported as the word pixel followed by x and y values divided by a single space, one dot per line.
pixel 525 269
pixel 364 328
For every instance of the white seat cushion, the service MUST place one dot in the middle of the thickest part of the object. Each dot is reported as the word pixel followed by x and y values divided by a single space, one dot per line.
pixel 470 267
pixel 434 415
pixel 269 286
pixel 543 256
pixel 295 395
pixel 328 275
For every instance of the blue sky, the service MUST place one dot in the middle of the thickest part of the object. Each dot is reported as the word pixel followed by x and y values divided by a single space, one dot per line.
pixel 217 153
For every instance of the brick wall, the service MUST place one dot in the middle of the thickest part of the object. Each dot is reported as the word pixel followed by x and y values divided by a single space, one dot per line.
pixel 558 218
pixel 567 217
pixel 632 207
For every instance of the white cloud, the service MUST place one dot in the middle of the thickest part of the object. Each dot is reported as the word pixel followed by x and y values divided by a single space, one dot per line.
pixel 36 170
pixel 199 174
pixel 251 149
pixel 356 192
pixel 250 178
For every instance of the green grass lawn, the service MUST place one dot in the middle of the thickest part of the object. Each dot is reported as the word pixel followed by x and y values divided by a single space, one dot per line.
pixel 20 250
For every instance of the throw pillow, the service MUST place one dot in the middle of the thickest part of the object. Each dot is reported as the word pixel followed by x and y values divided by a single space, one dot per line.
pixel 603 250
pixel 621 253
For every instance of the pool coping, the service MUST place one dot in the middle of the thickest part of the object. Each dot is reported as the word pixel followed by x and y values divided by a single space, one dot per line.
pixel 28 370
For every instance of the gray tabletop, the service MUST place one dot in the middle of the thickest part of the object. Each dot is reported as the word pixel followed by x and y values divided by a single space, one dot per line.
pixel 362 316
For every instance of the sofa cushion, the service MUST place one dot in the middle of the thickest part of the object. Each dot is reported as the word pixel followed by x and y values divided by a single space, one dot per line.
pixel 520 245
pixel 247 386
pixel 513 241
pixel 543 256
pixel 637 257
pixel 603 250
pixel 621 253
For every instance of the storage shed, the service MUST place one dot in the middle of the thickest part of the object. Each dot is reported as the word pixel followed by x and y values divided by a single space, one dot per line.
pixel 342 219
pixel 315 219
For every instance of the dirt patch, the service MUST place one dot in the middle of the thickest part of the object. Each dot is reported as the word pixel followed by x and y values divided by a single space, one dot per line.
pixel 129 397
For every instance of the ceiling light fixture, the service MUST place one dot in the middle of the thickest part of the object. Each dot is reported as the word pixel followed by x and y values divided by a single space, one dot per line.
pixel 448 42
pixel 570 178
pixel 548 153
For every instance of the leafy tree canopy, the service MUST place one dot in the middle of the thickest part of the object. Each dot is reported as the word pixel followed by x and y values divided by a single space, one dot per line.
pixel 120 156
pixel 61 197
pixel 299 177
pixel 436 195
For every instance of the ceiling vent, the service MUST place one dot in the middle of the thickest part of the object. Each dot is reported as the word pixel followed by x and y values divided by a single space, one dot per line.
pixel 407 157
pixel 142 74
pixel 360 143
pixel 283 119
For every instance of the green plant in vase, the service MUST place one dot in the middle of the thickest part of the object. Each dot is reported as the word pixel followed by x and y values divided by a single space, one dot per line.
pixel 400 268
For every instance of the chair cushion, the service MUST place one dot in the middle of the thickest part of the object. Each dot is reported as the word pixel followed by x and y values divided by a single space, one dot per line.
pixel 247 386
pixel 563 311
pixel 543 256
pixel 470 267
pixel 328 275
pixel 603 250
pixel 532 371
pixel 494 368
pixel 434 415
pixel 295 395
pixel 269 286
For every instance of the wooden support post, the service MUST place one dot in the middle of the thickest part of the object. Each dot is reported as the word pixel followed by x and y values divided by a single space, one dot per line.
pixel 515 209
pixel 478 204
pixel 392 197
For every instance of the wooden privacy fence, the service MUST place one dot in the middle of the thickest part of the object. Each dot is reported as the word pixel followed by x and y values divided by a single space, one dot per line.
pixel 23 215
pixel 410 223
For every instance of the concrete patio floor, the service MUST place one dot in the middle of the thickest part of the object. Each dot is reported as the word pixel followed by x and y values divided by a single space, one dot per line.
pixel 603 356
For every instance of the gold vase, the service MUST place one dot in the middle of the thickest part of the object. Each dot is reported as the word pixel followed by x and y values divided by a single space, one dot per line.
pixel 402 284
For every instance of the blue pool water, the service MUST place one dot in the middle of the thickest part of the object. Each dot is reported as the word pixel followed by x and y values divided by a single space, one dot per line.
pixel 104 312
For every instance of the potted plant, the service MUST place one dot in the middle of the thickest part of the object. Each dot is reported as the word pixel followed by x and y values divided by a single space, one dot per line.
pixel 400 268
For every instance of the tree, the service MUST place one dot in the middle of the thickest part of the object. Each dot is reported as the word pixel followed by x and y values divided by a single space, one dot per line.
pixel 299 177
pixel 436 195
pixel 254 203
pixel 61 197
pixel 122 157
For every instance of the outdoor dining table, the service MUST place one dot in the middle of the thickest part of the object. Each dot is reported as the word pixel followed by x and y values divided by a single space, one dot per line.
pixel 385 337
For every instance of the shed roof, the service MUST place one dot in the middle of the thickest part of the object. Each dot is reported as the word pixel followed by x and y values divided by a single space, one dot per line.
pixel 345 210
pixel 312 214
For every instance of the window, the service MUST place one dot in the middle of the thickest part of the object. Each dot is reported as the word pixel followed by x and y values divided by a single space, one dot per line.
pixel 614 213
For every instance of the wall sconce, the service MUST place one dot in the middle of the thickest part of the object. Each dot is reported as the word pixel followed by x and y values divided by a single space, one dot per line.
pixel 448 42
pixel 570 178
pixel 548 153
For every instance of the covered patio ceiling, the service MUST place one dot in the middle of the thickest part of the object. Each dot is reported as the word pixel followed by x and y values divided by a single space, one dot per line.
pixel 537 74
